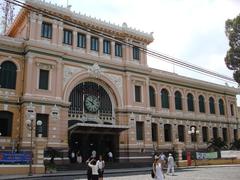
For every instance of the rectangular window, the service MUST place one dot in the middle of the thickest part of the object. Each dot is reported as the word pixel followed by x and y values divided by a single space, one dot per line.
pixel 94 44
pixel 43 79
pixel 136 53
pixel 118 49
pixel 232 110
pixel 42 127
pixel 46 30
pixel 106 46
pixel 67 36
pixel 224 131
pixel 81 40
pixel 181 133
pixel 168 132
pixel 137 93
pixel 235 134
pixel 205 134
pixel 154 132
pixel 139 131
pixel 215 133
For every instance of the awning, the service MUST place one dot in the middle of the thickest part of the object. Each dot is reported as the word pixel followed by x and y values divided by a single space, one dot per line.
pixel 101 128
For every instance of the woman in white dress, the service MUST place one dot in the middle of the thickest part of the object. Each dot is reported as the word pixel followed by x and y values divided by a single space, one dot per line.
pixel 157 169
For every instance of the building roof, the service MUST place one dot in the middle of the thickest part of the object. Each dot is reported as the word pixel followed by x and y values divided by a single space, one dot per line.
pixel 89 21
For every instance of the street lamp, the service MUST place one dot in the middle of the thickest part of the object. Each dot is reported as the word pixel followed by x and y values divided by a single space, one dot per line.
pixel 39 127
pixel 193 132
pixel 29 124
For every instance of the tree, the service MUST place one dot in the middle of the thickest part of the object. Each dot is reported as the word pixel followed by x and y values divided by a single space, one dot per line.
pixel 7 15
pixel 235 145
pixel 232 59
pixel 217 144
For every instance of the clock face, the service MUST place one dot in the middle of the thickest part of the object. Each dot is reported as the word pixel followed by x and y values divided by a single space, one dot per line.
pixel 92 103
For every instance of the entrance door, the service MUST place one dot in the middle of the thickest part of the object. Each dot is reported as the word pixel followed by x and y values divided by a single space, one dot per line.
pixel 87 143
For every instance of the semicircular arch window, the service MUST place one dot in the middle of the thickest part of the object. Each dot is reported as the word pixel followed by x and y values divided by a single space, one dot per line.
pixel 90 97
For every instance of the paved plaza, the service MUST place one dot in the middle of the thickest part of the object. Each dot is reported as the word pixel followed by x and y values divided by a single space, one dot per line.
pixel 212 173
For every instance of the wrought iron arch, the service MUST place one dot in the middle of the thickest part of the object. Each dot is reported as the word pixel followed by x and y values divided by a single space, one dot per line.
pixel 77 109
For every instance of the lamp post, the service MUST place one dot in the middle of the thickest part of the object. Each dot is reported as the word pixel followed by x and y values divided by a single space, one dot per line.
pixel 39 127
pixel 193 132
pixel 29 124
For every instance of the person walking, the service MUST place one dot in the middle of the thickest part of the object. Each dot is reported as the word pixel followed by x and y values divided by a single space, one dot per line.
pixel 157 168
pixel 110 156
pixel 170 164
pixel 101 165
pixel 94 166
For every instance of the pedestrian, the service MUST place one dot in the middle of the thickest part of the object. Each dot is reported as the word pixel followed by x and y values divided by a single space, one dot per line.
pixel 110 156
pixel 79 158
pixel 170 164
pixel 101 165
pixel 94 166
pixel 89 169
pixel 163 159
pixel 157 168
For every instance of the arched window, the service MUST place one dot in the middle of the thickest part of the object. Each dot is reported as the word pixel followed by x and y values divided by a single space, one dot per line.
pixel 190 102
pixel 178 100
pixel 221 107
pixel 8 74
pixel 201 103
pixel 152 96
pixel 211 105
pixel 6 123
pixel 165 98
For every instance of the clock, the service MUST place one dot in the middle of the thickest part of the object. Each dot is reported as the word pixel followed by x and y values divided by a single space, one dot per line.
pixel 92 103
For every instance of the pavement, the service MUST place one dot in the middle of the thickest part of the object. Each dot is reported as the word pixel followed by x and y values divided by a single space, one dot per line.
pixel 107 171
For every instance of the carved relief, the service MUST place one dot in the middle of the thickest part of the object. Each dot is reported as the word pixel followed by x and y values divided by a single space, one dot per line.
pixel 69 72
pixel 45 66
pixel 117 81
pixel 95 70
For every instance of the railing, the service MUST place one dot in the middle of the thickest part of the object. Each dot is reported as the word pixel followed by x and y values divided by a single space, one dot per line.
pixel 101 118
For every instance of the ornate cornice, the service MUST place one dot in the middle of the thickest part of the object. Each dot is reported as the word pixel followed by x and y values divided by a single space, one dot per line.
pixel 91 21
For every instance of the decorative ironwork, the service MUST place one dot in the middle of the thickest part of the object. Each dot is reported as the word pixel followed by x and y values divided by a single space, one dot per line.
pixel 77 108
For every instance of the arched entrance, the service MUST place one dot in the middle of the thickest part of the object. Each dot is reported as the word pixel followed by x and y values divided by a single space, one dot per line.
pixel 92 121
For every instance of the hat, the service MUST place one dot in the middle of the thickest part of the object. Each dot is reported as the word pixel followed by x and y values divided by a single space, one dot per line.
pixel 170 154
pixel 156 157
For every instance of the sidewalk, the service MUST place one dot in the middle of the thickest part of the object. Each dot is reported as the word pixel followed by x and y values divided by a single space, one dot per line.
pixel 107 171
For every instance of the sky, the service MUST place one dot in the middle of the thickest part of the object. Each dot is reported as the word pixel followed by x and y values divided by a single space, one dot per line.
pixel 190 30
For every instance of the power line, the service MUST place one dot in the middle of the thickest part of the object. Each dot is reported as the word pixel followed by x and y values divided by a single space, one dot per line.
pixel 149 52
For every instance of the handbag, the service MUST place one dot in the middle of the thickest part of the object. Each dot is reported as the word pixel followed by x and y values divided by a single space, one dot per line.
pixel 152 174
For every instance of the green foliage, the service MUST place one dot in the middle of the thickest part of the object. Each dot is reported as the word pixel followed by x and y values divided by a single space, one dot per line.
pixel 235 145
pixel 217 144
pixel 232 59
pixel 52 153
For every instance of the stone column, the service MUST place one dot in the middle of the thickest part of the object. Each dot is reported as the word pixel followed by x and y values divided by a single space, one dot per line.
pixel 88 43
pixel 55 32
pixel 28 74
pixel 147 93
pixel 33 26
pixel 100 51
pixel 38 27
pixel 74 45
pixel 60 34
pixel 113 49
pixel 59 81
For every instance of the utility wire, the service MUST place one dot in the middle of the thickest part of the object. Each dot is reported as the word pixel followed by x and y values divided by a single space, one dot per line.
pixel 152 53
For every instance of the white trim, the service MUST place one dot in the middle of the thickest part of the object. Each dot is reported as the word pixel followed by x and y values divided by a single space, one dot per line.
pixel 138 157
pixel 99 125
